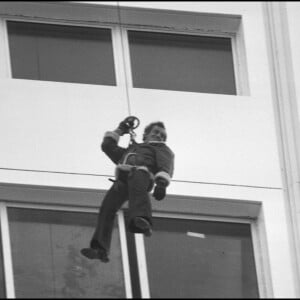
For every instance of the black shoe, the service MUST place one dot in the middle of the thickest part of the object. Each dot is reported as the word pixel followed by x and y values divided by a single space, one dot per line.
pixel 142 225
pixel 95 253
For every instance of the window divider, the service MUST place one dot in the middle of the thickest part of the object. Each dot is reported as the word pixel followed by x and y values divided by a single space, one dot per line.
pixel 126 56
pixel 126 64
pixel 4 52
pixel 142 265
pixel 117 52
pixel 121 66
pixel 240 63
pixel 6 250
pixel 261 258
pixel 124 251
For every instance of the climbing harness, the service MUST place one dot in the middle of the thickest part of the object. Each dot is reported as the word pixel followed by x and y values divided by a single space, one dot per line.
pixel 132 122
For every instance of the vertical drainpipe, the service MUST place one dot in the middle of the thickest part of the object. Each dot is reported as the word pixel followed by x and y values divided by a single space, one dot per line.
pixel 286 114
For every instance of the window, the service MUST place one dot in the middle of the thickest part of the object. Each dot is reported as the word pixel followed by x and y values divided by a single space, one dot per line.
pixel 200 259
pixel 182 62
pixel 47 261
pixel 61 53
pixel 168 61
pixel 197 258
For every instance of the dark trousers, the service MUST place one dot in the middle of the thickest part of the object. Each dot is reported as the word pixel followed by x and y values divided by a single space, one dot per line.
pixel 135 189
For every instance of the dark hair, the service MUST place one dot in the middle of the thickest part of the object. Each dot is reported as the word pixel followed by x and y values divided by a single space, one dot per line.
pixel 149 127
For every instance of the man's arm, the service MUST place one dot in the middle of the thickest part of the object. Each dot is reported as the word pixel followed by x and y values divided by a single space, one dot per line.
pixel 165 163
pixel 110 146
pixel 110 142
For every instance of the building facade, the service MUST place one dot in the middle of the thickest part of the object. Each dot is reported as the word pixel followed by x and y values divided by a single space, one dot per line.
pixel 222 76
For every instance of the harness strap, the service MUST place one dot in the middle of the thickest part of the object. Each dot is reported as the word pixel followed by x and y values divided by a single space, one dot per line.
pixel 122 172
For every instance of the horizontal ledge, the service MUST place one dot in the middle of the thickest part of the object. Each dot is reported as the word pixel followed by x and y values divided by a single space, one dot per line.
pixel 83 197
pixel 115 14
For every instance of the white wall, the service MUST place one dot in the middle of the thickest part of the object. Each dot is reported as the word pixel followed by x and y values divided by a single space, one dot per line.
pixel 217 139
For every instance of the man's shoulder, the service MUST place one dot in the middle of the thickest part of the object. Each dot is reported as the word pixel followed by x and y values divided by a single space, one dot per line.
pixel 161 146
pixel 169 150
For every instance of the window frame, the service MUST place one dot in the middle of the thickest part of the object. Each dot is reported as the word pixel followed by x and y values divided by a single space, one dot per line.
pixel 240 81
pixel 199 208
pixel 121 51
pixel 6 245
pixel 139 242
pixel 255 237
pixel 7 253
pixel 116 44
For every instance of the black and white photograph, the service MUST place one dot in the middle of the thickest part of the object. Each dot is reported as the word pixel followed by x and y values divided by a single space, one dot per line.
pixel 149 149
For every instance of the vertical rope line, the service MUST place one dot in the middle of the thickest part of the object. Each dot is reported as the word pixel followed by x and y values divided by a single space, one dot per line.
pixel 123 57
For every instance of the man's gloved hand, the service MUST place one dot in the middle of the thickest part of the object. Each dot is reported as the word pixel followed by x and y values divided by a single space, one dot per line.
pixel 159 192
pixel 125 126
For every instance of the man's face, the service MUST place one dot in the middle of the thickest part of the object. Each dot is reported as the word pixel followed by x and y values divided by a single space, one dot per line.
pixel 157 134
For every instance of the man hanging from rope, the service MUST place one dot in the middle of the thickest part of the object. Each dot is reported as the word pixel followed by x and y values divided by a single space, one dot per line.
pixel 139 168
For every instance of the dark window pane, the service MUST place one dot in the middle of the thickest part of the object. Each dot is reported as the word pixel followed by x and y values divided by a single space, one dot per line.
pixel 182 62
pixel 200 259
pixel 61 53
pixel 47 261
pixel 2 283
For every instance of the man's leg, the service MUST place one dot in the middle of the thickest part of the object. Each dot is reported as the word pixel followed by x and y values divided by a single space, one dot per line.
pixel 101 240
pixel 140 210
